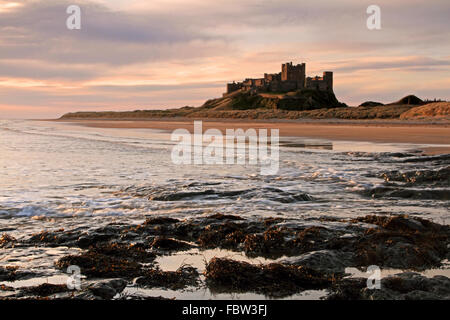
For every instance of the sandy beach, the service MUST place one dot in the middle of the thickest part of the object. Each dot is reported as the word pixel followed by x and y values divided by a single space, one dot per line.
pixel 380 132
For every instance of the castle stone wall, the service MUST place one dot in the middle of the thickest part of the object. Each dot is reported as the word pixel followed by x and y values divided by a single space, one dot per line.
pixel 324 83
pixel 291 78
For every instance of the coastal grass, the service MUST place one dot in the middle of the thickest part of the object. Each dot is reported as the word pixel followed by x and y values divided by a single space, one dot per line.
pixel 352 113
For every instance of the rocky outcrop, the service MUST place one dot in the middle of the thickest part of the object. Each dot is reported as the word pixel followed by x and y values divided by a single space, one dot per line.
pixel 371 104
pixel 107 289
pixel 402 286
pixel 305 99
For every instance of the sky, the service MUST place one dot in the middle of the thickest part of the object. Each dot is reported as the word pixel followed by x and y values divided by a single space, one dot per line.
pixel 157 54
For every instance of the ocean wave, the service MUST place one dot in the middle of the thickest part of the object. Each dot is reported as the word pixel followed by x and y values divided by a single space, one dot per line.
pixel 439 177
pixel 203 191
pixel 407 193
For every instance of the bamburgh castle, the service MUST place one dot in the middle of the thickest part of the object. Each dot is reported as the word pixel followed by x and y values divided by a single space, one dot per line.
pixel 291 78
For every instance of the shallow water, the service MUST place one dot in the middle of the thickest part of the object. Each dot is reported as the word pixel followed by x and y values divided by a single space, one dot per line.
pixel 59 175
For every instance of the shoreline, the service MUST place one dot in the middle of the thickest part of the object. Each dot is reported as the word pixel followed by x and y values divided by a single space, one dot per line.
pixel 368 131
pixel 370 122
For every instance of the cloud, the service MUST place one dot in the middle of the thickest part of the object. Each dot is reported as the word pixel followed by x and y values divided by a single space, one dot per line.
pixel 151 53
pixel 38 31
pixel 413 63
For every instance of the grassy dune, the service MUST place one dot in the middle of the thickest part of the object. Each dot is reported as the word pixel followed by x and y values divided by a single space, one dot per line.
pixel 305 104
pixel 380 112
pixel 430 111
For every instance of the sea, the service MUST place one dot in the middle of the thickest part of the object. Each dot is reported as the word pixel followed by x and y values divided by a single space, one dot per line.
pixel 61 175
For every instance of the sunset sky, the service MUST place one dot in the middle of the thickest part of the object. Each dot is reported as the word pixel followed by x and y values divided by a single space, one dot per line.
pixel 149 54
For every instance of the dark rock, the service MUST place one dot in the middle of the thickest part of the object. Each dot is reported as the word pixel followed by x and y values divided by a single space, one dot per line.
pixel 135 252
pixel 347 289
pixel 138 297
pixel 400 223
pixel 169 244
pixel 278 241
pixel 328 261
pixel 175 280
pixel 410 286
pixel 160 220
pixel 54 238
pixel 7 240
pixel 107 289
pixel 435 177
pixel 171 196
pixel 91 239
pixel 219 216
pixel 44 290
pixel 225 275
pixel 99 265
pixel 398 242
pixel 408 193
pixel 224 235
pixel 6 288
pixel 403 286
pixel 12 273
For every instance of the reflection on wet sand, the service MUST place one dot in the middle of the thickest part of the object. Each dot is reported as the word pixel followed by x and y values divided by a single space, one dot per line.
pixel 307 145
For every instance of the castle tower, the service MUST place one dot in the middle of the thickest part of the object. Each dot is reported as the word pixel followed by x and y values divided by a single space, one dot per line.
pixel 328 79
pixel 297 73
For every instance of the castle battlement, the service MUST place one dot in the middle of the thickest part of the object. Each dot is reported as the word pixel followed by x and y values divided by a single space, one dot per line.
pixel 292 77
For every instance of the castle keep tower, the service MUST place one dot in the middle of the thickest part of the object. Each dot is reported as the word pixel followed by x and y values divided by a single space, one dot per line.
pixel 328 78
pixel 297 73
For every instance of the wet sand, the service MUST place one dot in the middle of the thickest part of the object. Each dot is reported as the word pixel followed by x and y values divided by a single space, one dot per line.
pixel 380 132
